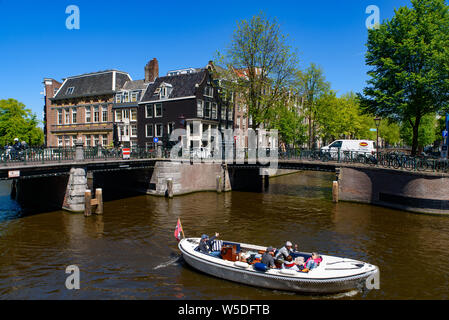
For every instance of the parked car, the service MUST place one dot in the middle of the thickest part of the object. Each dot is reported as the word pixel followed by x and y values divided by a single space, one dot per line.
pixel 351 148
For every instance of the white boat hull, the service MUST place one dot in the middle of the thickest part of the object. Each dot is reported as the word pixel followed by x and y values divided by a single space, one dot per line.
pixel 312 282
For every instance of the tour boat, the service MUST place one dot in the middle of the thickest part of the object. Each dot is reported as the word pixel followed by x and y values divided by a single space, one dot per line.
pixel 333 275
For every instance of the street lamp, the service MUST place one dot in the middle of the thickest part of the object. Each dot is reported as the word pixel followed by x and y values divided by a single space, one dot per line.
pixel 377 122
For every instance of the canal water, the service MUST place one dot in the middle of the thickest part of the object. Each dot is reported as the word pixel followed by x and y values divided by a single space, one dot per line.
pixel 130 252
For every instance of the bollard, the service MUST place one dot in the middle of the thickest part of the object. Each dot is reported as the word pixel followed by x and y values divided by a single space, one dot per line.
pixel 170 187
pixel 87 203
pixel 335 191
pixel 219 184
pixel 99 198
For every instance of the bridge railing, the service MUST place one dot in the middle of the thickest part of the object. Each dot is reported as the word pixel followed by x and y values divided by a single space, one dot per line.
pixel 395 160
pixel 36 155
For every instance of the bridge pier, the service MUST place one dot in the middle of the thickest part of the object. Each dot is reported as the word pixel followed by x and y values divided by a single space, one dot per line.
pixel 76 188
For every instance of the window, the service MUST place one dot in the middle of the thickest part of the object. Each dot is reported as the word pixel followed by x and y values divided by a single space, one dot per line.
pixel 118 98
pixel 74 111
pixel 223 113
pixel 237 125
pixel 126 96
pixel 133 130
pixel 88 141
pixel 133 115
pixel 59 141
pixel 208 91
pixel 104 113
pixel 134 96
pixel 214 110
pixel 336 144
pixel 149 130
pixel 105 140
pixel 70 90
pixel 66 141
pixel 229 114
pixel 118 115
pixel 207 110
pixel 59 117
pixel 96 140
pixel 199 108
pixel 158 110
pixel 164 93
pixel 149 111
pixel 125 114
pixel 159 129
pixel 67 116
pixel 88 115
pixel 170 127
pixel 96 114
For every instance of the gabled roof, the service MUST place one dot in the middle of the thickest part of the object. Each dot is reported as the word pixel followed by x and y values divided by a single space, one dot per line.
pixel 184 85
pixel 92 84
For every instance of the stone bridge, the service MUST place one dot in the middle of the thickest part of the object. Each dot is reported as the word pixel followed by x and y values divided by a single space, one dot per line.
pixel 62 183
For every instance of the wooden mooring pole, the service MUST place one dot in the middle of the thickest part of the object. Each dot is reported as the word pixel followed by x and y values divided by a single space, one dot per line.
pixel 219 184
pixel 335 191
pixel 89 202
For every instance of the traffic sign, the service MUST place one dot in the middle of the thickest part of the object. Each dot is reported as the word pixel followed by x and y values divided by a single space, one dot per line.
pixel 373 129
pixel 444 133
pixel 126 153
pixel 155 139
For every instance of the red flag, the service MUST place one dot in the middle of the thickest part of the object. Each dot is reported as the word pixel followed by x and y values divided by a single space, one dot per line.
pixel 178 230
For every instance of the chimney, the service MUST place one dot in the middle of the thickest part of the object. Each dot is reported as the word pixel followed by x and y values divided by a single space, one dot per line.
pixel 151 70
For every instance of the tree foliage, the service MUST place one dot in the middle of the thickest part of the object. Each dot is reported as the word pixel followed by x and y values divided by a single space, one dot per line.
pixel 18 122
pixel 311 85
pixel 259 65
pixel 409 60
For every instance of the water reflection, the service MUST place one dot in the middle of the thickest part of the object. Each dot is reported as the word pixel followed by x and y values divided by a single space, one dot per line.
pixel 130 252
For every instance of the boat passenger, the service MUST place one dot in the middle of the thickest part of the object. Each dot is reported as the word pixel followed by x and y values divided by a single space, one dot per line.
pixel 205 245
pixel 267 258
pixel 290 264
pixel 285 251
pixel 314 261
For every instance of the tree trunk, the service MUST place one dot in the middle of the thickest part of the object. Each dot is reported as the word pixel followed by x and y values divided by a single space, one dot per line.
pixel 415 128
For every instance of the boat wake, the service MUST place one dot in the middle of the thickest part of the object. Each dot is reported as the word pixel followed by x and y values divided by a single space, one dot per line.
pixel 168 263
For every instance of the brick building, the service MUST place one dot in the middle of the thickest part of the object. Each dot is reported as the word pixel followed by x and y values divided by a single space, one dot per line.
pixel 82 107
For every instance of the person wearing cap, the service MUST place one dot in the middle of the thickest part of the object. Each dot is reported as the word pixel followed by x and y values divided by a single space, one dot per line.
pixel 267 258
pixel 285 251
pixel 205 245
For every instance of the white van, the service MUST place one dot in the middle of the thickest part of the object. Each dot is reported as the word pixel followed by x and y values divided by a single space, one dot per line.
pixel 352 148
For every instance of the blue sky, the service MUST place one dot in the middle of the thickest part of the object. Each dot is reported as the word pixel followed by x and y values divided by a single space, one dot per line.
pixel 125 35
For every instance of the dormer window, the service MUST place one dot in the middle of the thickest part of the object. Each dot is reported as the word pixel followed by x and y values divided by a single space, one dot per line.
pixel 134 96
pixel 165 90
pixel 118 98
pixel 70 90
pixel 126 96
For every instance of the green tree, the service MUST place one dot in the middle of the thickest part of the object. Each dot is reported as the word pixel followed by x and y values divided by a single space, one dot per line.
pixel 18 122
pixel 427 132
pixel 289 123
pixel 409 57
pixel 258 65
pixel 311 85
